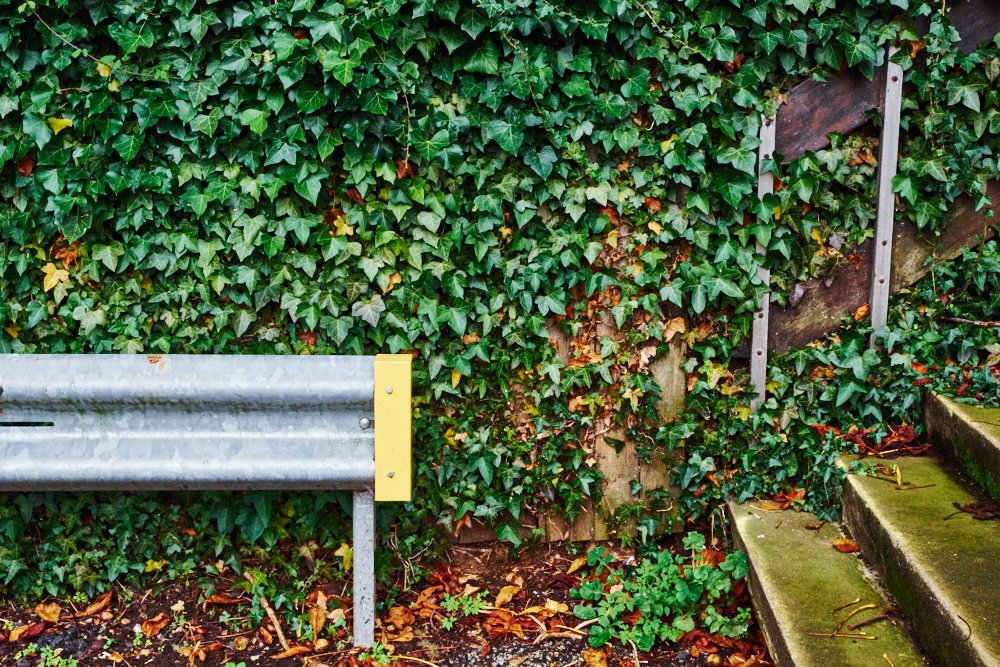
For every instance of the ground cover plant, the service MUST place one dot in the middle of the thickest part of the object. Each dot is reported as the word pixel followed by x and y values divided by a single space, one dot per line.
pixel 457 180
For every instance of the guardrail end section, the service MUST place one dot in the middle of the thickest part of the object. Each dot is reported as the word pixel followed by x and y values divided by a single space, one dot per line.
pixel 393 427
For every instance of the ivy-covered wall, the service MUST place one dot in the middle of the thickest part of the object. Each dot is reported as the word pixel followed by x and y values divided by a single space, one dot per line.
pixel 453 179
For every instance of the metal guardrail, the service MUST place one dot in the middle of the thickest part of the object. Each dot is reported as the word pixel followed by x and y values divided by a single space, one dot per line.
pixel 128 422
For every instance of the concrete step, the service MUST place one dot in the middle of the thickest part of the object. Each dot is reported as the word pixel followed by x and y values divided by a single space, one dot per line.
pixel 801 584
pixel 945 574
pixel 968 434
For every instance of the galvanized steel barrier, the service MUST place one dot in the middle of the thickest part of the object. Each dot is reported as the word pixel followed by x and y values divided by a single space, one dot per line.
pixel 128 422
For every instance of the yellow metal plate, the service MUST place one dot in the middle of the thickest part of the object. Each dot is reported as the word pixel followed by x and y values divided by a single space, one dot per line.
pixel 393 427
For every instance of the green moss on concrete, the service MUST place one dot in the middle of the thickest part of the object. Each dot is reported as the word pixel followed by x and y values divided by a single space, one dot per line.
pixel 988 481
pixel 798 579
pixel 942 572
pixel 970 435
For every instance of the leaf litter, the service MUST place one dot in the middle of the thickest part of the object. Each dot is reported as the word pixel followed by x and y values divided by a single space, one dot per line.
pixel 525 618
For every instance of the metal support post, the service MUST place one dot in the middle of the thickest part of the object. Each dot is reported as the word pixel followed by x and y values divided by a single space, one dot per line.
pixel 886 206
pixel 758 341
pixel 364 568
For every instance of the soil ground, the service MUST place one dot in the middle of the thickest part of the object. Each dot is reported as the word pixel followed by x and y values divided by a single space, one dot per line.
pixel 179 626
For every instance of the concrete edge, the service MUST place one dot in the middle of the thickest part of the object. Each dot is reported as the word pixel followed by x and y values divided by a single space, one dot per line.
pixel 926 607
pixel 977 450
pixel 769 624
pixel 776 601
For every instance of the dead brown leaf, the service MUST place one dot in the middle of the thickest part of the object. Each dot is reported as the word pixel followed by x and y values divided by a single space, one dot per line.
pixel 96 606
pixel 292 652
pixel 677 325
pixel 48 612
pixel 846 546
pixel 153 626
pixel 505 595
pixel 222 599
pixel 501 623
pixel 593 657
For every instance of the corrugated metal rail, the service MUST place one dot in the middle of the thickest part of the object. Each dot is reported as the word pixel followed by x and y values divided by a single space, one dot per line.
pixel 128 422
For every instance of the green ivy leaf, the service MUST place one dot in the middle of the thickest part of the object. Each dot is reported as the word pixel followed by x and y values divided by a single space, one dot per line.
pixel 129 40
pixel 370 311
pixel 506 135
pixel 256 120
pixel 128 145
pixel 483 59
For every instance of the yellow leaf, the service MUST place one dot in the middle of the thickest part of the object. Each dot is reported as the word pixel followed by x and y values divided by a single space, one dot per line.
pixel 115 85
pixel 743 412
pixel 655 227
pixel 506 594
pixel 347 554
pixel 665 146
pixel 777 213
pixel 816 236
pixel 576 564
pixel 53 276
pixel 394 280
pixel 556 607
pixel 59 124
pixel 155 565
pixel 48 612
pixel 341 228
pixel 103 70
pixel 456 377
pixel 12 330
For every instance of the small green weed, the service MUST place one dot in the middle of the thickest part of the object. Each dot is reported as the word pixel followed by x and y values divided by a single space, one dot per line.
pixel 50 657
pixel 379 653
pixel 461 605
pixel 673 594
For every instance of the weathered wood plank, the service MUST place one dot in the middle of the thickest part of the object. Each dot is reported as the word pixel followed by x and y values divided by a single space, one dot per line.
pixel 821 309
pixel 814 109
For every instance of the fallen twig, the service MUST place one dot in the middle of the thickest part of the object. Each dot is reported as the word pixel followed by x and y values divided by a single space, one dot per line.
pixel 869 621
pixel 870 605
pixel 270 614
pixel 975 323
pixel 843 635
pixel 420 660
pixel 845 606
pixel 886 657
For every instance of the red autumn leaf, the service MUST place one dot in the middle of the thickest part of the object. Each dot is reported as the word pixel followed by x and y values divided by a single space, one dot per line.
pixel 653 204
pixel 922 382
pixel 919 368
pixel 404 168
pixel 355 195
pixel 846 546
pixel 861 313
pixel 26 631
pixel 501 623
pixel 308 337
pixel 26 165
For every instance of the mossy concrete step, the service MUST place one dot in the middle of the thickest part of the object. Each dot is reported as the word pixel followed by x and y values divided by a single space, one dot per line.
pixel 800 584
pixel 944 573
pixel 968 434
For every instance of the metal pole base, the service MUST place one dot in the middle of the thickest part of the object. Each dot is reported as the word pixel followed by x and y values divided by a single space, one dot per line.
pixel 364 568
